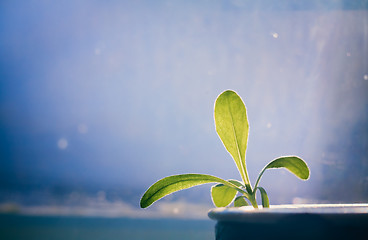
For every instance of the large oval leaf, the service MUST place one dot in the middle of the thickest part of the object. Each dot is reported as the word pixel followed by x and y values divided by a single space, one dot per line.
pixel 294 164
pixel 232 127
pixel 222 195
pixel 175 183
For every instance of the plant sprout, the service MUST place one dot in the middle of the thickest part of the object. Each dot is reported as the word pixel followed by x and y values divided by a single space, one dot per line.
pixel 232 127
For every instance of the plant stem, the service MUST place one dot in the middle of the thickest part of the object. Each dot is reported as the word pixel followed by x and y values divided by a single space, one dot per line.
pixel 248 187
pixel 259 177
pixel 252 199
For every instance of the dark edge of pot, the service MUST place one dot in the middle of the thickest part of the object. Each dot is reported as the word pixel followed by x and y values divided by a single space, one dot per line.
pixel 307 221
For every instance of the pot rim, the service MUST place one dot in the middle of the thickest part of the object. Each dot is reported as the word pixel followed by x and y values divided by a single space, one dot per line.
pixel 277 212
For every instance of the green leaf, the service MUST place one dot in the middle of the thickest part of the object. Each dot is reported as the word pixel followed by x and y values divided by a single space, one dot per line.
pixel 237 183
pixel 175 183
pixel 240 202
pixel 232 127
pixel 294 164
pixel 265 201
pixel 222 195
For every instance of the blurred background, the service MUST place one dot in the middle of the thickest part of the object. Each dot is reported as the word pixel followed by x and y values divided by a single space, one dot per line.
pixel 100 99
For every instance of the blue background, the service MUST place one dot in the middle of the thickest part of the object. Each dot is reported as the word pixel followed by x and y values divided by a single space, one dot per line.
pixel 102 99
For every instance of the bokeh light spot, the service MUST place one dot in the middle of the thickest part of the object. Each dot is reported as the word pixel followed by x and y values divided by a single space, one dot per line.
pixel 82 128
pixel 275 35
pixel 62 143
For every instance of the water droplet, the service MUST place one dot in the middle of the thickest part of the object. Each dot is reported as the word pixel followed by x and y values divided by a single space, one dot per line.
pixel 275 35
pixel 365 77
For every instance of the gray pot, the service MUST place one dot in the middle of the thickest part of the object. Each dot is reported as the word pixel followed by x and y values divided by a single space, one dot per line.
pixel 307 221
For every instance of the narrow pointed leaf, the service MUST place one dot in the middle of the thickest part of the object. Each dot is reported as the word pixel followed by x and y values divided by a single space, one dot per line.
pixel 294 164
pixel 232 127
pixel 222 195
pixel 265 200
pixel 237 183
pixel 175 183
pixel 240 202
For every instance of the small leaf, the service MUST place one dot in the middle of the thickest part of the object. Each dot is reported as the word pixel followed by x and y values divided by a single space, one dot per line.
pixel 222 195
pixel 240 202
pixel 232 127
pixel 175 183
pixel 294 164
pixel 265 201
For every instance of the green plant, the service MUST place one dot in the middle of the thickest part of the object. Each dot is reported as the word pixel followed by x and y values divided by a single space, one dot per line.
pixel 232 127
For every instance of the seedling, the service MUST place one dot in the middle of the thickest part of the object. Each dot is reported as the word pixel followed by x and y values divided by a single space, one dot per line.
pixel 232 127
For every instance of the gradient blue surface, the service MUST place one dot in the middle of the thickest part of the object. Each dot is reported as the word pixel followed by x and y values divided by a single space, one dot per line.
pixel 111 96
